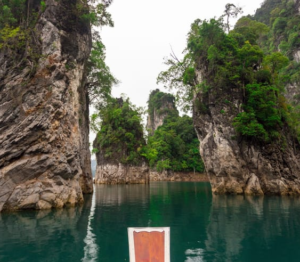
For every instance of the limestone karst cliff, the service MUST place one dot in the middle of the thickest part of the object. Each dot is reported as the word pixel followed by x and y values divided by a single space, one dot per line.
pixel 172 145
pixel 251 155
pixel 238 166
pixel 119 144
pixel 44 150
pixel 160 105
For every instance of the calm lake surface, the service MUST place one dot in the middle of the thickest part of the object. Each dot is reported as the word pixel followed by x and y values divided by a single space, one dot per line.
pixel 203 227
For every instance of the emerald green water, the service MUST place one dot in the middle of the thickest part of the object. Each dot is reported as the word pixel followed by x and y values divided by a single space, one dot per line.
pixel 203 227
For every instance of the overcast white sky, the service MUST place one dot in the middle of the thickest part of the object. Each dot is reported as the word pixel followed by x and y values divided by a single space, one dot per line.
pixel 142 36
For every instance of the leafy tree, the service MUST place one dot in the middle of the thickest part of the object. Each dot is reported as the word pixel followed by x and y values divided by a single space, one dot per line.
pixel 262 117
pixel 176 78
pixel 11 13
pixel 99 77
pixel 174 146
pixel 235 61
pixel 119 132
pixel 231 11
pixel 98 15
pixel 99 80
pixel 275 62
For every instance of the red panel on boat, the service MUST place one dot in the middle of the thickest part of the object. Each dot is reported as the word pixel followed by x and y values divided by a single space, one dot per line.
pixel 149 246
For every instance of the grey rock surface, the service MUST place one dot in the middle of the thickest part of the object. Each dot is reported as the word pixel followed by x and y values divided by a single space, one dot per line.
pixel 235 166
pixel 44 150
pixel 157 118
pixel 122 174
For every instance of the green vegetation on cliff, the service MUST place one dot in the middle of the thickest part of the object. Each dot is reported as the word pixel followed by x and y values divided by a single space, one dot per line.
pixel 161 103
pixel 237 61
pixel 119 133
pixel 174 145
pixel 18 21
pixel 283 19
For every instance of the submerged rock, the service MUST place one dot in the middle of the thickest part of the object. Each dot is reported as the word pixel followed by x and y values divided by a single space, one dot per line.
pixel 44 150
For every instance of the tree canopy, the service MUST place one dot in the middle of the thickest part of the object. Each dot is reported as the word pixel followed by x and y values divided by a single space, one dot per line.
pixel 174 145
pixel 120 134
pixel 216 60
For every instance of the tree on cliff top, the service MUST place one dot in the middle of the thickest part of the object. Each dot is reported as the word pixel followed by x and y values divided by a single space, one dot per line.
pixel 235 61
pixel 18 19
pixel 174 145
pixel 162 103
pixel 99 77
pixel 119 133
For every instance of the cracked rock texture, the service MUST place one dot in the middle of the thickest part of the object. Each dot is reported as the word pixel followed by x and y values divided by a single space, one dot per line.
pixel 235 166
pixel 44 150
pixel 156 118
pixel 122 174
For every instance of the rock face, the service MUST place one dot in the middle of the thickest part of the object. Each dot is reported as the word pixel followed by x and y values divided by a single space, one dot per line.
pixel 160 105
pixel 122 174
pixel 118 144
pixel 157 120
pixel 44 150
pixel 238 167
pixel 112 171
pixel 235 165
pixel 297 5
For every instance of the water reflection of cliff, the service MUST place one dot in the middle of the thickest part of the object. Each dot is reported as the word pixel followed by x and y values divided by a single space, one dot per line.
pixel 119 194
pixel 50 235
pixel 253 229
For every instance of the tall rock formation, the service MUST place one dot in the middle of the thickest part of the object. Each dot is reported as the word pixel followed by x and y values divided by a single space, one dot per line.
pixel 118 144
pixel 236 165
pixel 160 105
pixel 44 150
